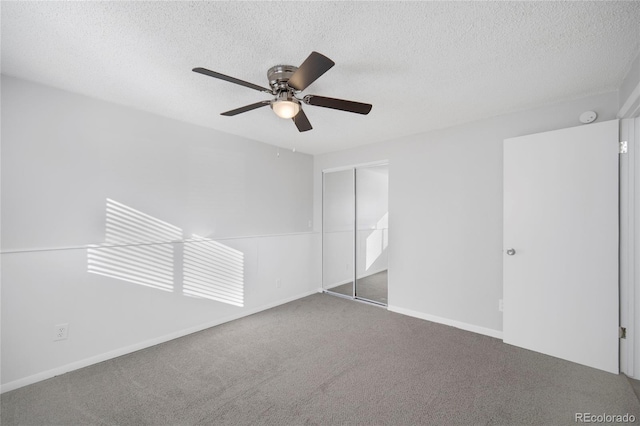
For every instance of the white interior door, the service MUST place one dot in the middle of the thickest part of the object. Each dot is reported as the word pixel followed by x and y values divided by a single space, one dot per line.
pixel 561 219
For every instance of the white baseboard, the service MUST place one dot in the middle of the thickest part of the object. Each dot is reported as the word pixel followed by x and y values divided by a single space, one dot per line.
pixel 138 346
pixel 453 323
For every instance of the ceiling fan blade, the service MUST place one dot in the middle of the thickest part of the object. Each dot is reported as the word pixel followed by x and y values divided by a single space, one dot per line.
pixel 342 105
pixel 231 79
pixel 302 122
pixel 313 67
pixel 245 108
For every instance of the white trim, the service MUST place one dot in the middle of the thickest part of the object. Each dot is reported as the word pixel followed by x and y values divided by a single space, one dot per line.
pixel 446 321
pixel 153 243
pixel 633 97
pixel 628 131
pixel 635 318
pixel 633 329
pixel 142 345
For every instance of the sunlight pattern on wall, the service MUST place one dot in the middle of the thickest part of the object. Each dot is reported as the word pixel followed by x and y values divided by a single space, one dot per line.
pixel 213 271
pixel 132 250
pixel 377 241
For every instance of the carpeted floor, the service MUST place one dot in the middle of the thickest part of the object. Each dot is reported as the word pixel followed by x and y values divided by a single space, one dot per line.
pixel 372 287
pixel 635 384
pixel 324 360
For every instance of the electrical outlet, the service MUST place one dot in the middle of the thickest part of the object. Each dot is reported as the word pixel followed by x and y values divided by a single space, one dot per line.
pixel 309 224
pixel 60 331
pixel 278 283
pixel 500 305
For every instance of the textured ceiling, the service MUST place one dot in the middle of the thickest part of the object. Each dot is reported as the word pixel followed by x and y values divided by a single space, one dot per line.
pixel 423 65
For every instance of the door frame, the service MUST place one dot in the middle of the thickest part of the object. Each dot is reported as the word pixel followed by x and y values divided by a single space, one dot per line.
pixel 629 271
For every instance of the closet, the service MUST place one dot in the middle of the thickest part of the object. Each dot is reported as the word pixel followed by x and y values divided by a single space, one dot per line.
pixel 355 232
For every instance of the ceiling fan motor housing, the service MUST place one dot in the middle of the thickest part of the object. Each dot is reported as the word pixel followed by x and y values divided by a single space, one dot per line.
pixel 279 76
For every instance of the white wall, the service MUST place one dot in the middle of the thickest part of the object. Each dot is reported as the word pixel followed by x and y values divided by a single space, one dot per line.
pixel 64 155
pixel 445 211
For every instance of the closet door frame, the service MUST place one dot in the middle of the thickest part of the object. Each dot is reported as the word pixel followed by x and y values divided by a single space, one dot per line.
pixel 354 168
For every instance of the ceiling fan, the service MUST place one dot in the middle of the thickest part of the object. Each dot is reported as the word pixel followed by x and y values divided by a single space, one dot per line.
pixel 286 83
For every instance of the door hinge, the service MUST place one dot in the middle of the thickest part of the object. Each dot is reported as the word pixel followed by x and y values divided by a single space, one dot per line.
pixel 623 147
pixel 622 333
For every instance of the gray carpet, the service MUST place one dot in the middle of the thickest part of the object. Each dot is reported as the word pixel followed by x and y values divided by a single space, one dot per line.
pixel 324 360
pixel 372 287
pixel 635 384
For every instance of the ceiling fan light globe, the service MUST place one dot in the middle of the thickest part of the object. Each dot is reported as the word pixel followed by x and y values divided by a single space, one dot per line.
pixel 285 108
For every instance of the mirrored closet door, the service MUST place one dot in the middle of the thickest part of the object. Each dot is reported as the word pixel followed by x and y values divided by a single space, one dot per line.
pixel 355 238
pixel 372 235
pixel 338 230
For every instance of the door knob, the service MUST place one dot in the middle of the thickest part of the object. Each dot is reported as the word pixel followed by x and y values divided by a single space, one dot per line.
pixel 511 252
